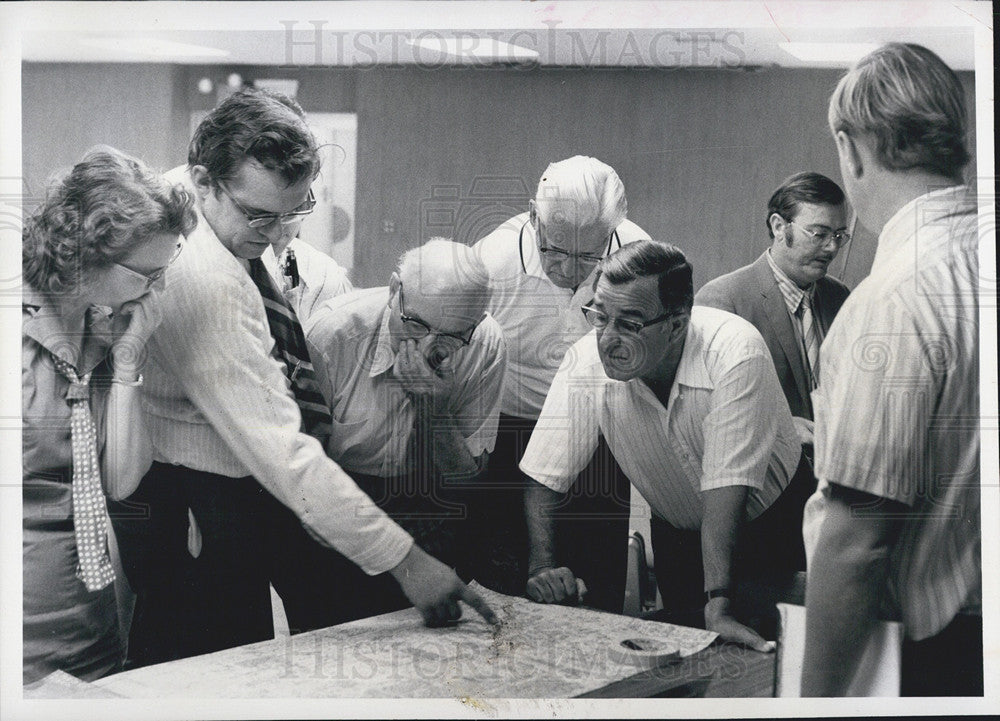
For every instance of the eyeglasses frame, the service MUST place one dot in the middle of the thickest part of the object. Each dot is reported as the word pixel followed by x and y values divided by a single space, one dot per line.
pixel 265 220
pixel 623 325
pixel 433 331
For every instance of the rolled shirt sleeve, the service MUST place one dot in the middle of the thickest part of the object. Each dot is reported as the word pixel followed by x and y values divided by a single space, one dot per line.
pixel 742 426
pixel 568 429
pixel 880 445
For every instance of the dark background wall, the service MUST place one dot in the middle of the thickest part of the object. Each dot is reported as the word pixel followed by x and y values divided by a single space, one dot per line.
pixel 453 151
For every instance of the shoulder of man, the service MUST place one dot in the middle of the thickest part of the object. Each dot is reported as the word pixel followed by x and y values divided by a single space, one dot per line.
pixel 629 232
pixel 582 360
pixel 348 315
pixel 726 336
pixel 316 259
pixel 490 335
pixel 728 290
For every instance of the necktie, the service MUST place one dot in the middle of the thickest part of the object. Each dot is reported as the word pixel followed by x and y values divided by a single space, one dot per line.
pixel 290 344
pixel 90 523
pixel 810 338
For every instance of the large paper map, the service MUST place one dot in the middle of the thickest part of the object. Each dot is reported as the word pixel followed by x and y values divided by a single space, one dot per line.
pixel 539 651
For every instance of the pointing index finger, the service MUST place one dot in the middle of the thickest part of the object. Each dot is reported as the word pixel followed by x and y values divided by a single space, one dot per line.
pixel 482 608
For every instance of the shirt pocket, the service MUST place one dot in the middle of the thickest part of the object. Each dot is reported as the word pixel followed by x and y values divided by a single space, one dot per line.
pixel 346 435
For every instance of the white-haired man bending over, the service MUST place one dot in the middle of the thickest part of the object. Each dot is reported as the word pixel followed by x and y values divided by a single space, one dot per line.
pixel 541 265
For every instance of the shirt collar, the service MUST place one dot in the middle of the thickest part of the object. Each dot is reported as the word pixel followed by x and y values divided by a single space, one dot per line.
pixel 384 358
pixel 43 324
pixel 791 292
pixel 926 210
pixel 692 370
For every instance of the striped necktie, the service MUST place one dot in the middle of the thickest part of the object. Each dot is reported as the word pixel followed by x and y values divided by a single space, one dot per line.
pixel 290 345
pixel 810 337
pixel 90 522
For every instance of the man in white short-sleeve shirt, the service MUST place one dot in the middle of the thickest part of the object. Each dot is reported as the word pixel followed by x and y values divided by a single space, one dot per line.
pixel 894 528
pixel 690 405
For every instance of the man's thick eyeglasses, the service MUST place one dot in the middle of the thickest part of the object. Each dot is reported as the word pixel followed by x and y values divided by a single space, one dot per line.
pixel 579 257
pixel 822 237
pixel 599 319
pixel 261 221
pixel 418 329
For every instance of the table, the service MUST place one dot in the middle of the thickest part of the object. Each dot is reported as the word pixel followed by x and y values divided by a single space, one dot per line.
pixel 723 670
pixel 540 651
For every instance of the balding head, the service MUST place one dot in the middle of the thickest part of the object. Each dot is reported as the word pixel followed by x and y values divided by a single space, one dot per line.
pixel 579 204
pixel 447 273
pixel 437 297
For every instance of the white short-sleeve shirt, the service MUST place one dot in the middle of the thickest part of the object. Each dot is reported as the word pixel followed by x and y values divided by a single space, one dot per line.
pixel 726 422
pixel 897 412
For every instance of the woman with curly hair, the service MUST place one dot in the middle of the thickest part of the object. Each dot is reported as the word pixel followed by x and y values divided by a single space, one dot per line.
pixel 94 256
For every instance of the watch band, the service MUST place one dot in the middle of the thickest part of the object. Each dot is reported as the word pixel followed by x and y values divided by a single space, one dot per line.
pixel 722 592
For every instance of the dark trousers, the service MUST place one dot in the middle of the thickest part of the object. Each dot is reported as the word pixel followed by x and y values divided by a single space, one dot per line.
pixel 319 587
pixel 949 663
pixel 769 551
pixel 187 606
pixel 591 523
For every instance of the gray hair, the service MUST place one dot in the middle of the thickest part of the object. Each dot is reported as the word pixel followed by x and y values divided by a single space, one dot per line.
pixel 442 267
pixel 586 190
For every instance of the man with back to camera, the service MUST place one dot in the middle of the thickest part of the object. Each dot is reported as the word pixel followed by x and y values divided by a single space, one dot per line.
pixel 540 266
pixel 227 432
pixel 894 528
pixel 413 373
pixel 689 403
pixel 788 296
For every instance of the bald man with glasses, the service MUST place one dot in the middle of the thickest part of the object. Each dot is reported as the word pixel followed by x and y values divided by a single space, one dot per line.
pixel 413 374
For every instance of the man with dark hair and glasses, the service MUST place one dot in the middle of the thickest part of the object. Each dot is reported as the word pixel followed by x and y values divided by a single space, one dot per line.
pixel 689 403
pixel 413 374
pixel 540 266
pixel 237 420
pixel 788 296
pixel 306 276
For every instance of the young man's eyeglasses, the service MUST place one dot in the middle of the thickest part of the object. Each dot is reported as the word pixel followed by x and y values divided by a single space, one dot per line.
pixel 262 220
pixel 823 237
pixel 416 328
pixel 599 319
